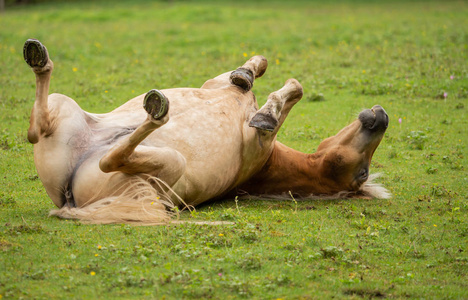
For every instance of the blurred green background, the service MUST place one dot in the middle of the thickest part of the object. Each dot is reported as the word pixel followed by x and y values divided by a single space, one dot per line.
pixel 408 56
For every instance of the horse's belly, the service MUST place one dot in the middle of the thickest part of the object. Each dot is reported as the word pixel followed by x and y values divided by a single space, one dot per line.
pixel 212 145
pixel 208 128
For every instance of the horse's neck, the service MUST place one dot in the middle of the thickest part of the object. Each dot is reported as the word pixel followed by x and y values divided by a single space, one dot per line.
pixel 286 170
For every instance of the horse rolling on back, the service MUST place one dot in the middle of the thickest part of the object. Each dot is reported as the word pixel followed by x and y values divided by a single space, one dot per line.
pixel 181 147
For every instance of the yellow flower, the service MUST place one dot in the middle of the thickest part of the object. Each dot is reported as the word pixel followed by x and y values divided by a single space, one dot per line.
pixel 152 203
pixel 92 273
pixel 105 91
pixel 99 247
pixel 245 54
pixel 221 234
pixel 75 69
pixel 96 255
pixel 277 61
pixel 435 225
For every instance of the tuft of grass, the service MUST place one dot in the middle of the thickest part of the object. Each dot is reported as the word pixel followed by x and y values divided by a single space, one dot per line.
pixel 364 293
pixel 25 229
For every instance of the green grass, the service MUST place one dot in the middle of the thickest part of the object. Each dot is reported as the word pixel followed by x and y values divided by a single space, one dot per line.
pixel 398 54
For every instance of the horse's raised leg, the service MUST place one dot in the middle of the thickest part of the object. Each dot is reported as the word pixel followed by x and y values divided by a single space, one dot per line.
pixel 36 56
pixel 242 77
pixel 130 157
pixel 271 116
pixel 58 127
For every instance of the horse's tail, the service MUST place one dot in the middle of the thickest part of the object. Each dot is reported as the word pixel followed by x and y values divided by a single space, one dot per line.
pixel 141 201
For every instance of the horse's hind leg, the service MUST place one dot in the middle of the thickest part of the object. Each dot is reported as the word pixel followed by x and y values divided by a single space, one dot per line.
pixel 271 116
pixel 36 56
pixel 131 158
pixel 242 77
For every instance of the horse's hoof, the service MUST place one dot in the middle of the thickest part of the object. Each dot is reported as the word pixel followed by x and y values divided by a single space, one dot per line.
pixel 156 104
pixel 264 122
pixel 243 78
pixel 35 54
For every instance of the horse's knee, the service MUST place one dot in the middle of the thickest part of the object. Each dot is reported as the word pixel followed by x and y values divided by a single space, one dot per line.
pixel 107 164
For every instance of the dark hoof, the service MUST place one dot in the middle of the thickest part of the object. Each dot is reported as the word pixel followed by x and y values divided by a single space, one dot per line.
pixel 35 54
pixel 264 122
pixel 242 78
pixel 156 104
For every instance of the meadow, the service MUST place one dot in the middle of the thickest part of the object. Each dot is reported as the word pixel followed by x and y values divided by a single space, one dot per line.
pixel 408 56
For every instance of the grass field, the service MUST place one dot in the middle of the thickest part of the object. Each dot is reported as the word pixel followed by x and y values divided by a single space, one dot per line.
pixel 409 57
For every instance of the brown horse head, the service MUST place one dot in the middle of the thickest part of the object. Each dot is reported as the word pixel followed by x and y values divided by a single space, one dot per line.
pixel 340 164
pixel 343 160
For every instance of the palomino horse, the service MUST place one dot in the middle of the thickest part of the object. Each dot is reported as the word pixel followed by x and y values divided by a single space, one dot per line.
pixel 184 146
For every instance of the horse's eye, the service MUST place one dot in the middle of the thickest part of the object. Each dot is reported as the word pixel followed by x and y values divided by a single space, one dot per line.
pixel 363 174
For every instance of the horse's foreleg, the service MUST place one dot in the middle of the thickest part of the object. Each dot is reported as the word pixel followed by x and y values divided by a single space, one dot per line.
pixel 271 116
pixel 36 56
pixel 242 77
pixel 130 157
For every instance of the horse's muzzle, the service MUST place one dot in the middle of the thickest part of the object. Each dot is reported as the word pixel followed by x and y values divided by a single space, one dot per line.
pixel 374 119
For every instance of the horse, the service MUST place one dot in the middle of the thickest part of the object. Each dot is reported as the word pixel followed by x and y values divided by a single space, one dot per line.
pixel 175 148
